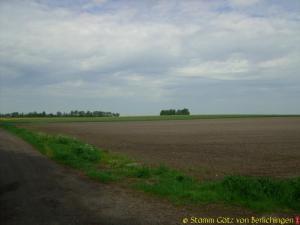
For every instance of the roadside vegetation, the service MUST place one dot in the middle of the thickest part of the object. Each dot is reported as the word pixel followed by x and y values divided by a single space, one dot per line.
pixel 260 194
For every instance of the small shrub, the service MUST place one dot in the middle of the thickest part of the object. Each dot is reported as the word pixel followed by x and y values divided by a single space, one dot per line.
pixel 86 153
pixel 142 172
pixel 102 176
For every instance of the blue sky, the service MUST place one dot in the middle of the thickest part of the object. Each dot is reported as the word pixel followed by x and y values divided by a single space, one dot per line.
pixel 137 57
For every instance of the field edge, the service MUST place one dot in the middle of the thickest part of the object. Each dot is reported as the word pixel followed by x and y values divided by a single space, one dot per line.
pixel 261 194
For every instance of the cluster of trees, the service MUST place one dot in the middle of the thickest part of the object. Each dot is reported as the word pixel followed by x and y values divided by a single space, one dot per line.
pixel 93 113
pixel 174 112
pixel 73 113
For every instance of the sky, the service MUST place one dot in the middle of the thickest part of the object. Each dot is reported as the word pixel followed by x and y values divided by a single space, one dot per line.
pixel 137 57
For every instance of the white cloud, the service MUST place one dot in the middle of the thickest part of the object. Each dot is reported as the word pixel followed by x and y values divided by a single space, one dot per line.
pixel 243 3
pixel 232 68
pixel 138 50
pixel 280 63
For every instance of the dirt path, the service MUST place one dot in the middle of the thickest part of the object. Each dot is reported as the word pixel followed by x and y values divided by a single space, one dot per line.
pixel 34 190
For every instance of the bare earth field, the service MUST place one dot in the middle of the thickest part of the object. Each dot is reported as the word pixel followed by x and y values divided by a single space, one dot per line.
pixel 207 149
pixel 34 190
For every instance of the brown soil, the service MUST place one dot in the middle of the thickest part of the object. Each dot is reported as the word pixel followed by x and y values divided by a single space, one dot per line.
pixel 36 191
pixel 205 148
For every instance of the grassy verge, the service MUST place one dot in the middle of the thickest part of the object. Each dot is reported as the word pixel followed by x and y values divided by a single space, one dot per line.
pixel 135 118
pixel 256 193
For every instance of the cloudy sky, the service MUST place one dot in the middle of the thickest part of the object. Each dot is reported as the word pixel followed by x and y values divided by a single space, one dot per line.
pixel 137 57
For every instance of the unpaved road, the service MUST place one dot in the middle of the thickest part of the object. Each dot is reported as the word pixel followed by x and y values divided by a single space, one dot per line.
pixel 208 148
pixel 36 191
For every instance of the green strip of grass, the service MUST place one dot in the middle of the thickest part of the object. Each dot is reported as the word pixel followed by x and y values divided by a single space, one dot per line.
pixel 136 118
pixel 257 193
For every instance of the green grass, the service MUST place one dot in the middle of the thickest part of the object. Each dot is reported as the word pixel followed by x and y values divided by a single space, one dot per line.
pixel 260 194
pixel 135 118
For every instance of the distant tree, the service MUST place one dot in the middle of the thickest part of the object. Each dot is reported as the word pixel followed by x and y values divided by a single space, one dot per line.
pixel 184 111
pixel 15 114
pixel 73 113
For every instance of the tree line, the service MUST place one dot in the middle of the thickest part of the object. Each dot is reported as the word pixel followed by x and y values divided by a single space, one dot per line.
pixel 165 112
pixel 73 113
